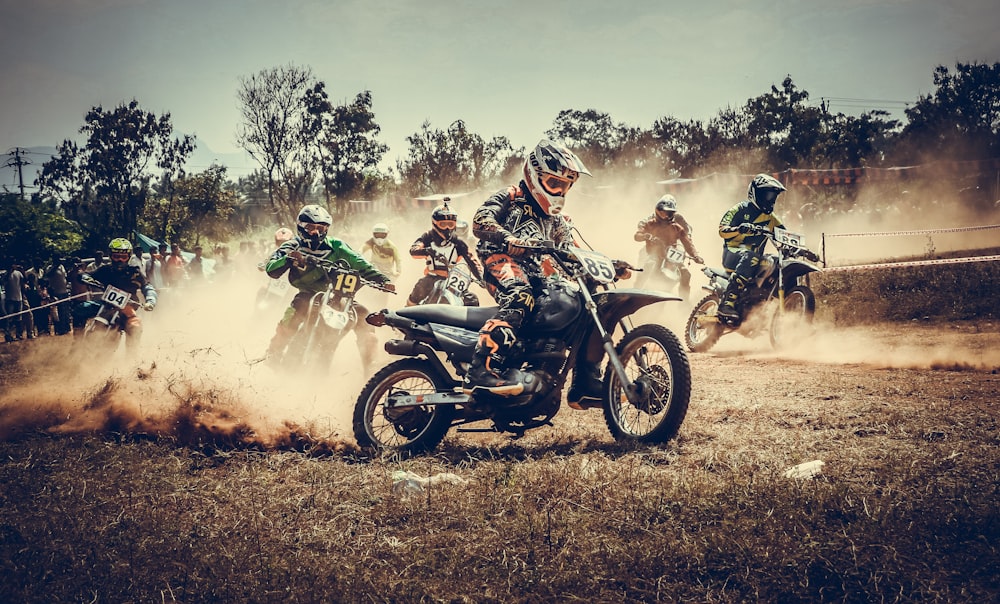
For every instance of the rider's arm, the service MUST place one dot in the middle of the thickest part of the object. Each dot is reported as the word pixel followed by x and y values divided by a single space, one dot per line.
pixel 421 247
pixel 342 251
pixel 489 218
pixel 279 262
pixel 642 231
pixel 463 252
pixel 729 226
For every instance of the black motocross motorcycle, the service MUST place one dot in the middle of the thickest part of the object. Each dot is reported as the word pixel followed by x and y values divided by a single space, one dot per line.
pixel 409 405
pixel 782 282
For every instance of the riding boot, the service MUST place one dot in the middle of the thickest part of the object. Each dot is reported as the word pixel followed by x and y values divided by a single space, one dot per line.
pixel 727 308
pixel 486 370
pixel 276 348
pixel 586 390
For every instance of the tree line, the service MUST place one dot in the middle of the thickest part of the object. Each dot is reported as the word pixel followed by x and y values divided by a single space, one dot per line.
pixel 128 172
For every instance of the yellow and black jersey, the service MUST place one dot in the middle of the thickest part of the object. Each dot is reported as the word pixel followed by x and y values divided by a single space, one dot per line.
pixel 742 212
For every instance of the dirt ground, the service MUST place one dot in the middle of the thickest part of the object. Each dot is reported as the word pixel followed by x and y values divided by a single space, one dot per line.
pixel 846 370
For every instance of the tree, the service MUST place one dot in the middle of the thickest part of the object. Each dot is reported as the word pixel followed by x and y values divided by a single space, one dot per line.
pixel 455 159
pixel 31 230
pixel 272 132
pixel 104 185
pixel 960 120
pixel 346 151
pixel 203 207
pixel 595 138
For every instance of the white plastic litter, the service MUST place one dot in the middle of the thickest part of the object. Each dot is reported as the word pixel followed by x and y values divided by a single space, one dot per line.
pixel 405 482
pixel 808 469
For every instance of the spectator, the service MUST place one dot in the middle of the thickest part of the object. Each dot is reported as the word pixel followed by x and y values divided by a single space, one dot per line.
pixel 174 270
pixel 14 327
pixel 58 288
pixel 97 262
pixel 196 266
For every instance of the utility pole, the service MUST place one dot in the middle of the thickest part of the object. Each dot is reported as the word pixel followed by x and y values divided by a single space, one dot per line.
pixel 20 161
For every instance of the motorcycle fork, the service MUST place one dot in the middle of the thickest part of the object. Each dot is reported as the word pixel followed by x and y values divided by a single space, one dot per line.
pixel 608 345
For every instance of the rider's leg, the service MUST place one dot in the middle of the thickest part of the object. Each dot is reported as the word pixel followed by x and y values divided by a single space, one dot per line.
pixel 367 340
pixel 684 289
pixel 586 389
pixel 420 289
pixel 288 325
pixel 498 336
pixel 743 270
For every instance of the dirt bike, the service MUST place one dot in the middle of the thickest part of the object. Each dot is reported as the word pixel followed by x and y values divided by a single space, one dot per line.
pixel 104 331
pixel 453 289
pixel 667 275
pixel 782 281
pixel 409 405
pixel 330 315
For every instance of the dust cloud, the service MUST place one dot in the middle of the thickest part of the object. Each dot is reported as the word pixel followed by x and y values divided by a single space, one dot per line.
pixel 197 375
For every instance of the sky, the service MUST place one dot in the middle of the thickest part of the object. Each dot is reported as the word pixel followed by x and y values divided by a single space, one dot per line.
pixel 504 67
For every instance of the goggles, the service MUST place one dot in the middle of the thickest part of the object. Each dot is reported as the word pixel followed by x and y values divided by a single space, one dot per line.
pixel 767 196
pixel 666 214
pixel 556 185
pixel 380 235
pixel 314 228
pixel 445 224
pixel 120 256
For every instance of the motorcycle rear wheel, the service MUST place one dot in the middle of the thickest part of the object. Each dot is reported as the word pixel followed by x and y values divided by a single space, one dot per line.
pixel 701 338
pixel 800 308
pixel 407 431
pixel 655 360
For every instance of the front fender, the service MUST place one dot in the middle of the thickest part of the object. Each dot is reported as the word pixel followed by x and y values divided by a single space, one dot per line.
pixel 614 305
pixel 796 267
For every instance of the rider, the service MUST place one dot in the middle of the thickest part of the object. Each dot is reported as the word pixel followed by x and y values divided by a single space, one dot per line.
pixel 512 218
pixel 300 257
pixel 440 248
pixel 744 242
pixel 120 274
pixel 661 230
pixel 384 253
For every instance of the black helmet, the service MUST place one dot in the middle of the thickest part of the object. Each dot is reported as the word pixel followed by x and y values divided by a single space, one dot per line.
pixel 444 221
pixel 763 192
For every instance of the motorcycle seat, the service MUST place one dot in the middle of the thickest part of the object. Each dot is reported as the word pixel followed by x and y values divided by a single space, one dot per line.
pixel 466 317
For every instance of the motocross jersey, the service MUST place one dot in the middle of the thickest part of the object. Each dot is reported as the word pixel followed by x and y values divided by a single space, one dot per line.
pixel 668 232
pixel 312 278
pixel 385 257
pixel 430 246
pixel 514 213
pixel 127 278
pixel 742 212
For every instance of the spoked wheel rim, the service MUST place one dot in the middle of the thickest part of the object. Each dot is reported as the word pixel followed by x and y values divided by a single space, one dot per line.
pixel 396 427
pixel 647 364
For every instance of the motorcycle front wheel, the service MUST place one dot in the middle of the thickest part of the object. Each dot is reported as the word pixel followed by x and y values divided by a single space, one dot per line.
pixel 701 334
pixel 658 367
pixel 405 431
pixel 795 318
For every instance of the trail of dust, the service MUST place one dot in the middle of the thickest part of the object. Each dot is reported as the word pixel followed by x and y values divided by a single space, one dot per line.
pixel 196 377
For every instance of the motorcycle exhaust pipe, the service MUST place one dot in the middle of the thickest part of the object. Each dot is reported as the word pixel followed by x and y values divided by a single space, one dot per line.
pixel 403 348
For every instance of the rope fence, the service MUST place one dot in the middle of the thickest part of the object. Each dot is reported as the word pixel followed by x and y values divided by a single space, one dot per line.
pixel 966 259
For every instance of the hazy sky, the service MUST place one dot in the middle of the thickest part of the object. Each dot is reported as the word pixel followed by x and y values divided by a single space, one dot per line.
pixel 504 67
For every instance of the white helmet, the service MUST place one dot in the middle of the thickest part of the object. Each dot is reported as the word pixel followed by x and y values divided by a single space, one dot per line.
pixel 380 234
pixel 666 207
pixel 549 171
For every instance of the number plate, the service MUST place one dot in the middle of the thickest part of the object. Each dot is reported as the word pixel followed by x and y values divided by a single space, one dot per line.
pixel 789 238
pixel 675 255
pixel 600 267
pixel 116 297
